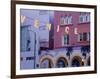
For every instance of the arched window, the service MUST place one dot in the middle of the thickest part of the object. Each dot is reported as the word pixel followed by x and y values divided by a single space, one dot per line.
pixel 46 63
pixel 76 62
pixel 62 63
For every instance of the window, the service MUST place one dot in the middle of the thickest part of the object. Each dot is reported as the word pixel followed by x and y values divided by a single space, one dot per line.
pixel 69 20
pixel 84 36
pixel 76 63
pixel 81 37
pixel 62 62
pixel 28 45
pixel 87 16
pixel 29 58
pixel 84 18
pixel 47 63
pixel 65 40
pixel 62 20
pixel 66 20
pixel 80 19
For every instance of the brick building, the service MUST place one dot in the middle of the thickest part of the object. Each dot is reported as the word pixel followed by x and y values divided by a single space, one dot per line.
pixel 69 39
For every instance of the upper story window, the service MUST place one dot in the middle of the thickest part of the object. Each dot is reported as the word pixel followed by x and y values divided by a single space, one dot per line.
pixel 84 36
pixel 66 20
pixel 62 19
pixel 84 18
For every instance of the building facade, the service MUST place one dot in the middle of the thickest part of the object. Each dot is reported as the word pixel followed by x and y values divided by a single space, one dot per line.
pixel 54 39
pixel 33 35
pixel 70 41
pixel 74 30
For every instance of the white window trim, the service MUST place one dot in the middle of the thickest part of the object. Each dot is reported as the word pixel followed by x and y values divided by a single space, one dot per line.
pixel 88 37
pixel 67 20
pixel 63 41
pixel 84 20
